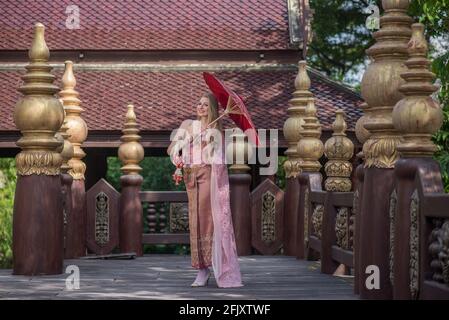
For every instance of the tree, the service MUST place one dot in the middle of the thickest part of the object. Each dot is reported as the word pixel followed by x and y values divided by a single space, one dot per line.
pixel 434 14
pixel 340 39
pixel 7 189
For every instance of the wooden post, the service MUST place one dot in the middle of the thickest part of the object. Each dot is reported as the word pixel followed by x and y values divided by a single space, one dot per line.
pixel 37 217
pixel 131 216
pixel 362 135
pixel 292 129
pixel 77 131
pixel 66 180
pixel 239 185
pixel 338 149
pixel 358 198
pixel 418 116
pixel 380 85
pixel 310 149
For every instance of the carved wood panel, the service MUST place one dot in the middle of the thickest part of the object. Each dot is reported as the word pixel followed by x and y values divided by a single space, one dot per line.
pixel 267 210
pixel 102 202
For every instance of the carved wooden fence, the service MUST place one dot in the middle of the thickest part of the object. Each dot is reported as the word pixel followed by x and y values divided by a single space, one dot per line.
pixel 166 217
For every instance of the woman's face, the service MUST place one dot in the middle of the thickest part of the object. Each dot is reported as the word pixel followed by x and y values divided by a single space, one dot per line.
pixel 202 108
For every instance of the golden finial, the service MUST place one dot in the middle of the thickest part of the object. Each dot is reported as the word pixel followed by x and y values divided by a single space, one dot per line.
pixel 39 114
pixel 67 151
pixel 338 149
pixel 77 128
pixel 418 116
pixel 130 151
pixel 293 124
pixel 381 82
pixel 39 51
pixel 310 147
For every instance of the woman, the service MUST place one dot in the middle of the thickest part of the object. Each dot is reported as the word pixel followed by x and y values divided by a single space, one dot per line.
pixel 212 241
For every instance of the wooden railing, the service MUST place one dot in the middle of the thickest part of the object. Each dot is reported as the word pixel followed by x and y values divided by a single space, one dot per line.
pixel 158 219
pixel 329 225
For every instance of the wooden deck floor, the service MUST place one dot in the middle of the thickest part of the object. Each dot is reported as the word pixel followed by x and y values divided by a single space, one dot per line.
pixel 170 276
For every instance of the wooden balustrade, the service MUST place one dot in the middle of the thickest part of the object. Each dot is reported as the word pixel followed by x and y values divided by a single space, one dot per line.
pixel 156 217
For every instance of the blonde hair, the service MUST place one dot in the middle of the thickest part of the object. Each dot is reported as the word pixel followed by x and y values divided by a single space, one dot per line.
pixel 213 111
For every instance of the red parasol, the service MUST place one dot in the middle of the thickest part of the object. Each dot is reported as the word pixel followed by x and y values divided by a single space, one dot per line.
pixel 233 105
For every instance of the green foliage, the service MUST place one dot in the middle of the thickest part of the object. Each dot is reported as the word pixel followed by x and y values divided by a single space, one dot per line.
pixel 435 16
pixel 7 189
pixel 340 38
pixel 156 172
pixel 280 174
pixel 157 176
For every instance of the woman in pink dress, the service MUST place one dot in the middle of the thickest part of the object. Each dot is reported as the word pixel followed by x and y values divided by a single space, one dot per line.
pixel 212 242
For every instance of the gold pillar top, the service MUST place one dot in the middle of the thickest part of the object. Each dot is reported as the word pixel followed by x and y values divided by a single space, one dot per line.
pixel 77 128
pixel 418 116
pixel 381 82
pixel 67 150
pixel 39 51
pixel 310 146
pixel 338 149
pixel 302 80
pixel 293 124
pixel 38 114
pixel 130 152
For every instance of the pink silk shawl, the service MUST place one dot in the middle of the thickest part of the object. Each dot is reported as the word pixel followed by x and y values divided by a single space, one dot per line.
pixel 224 253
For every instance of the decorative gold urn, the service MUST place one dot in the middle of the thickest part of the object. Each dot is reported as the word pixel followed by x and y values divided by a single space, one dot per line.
pixel 310 147
pixel 293 125
pixel 338 149
pixel 130 152
pixel 77 127
pixel 67 151
pixel 417 115
pixel 381 82
pixel 39 114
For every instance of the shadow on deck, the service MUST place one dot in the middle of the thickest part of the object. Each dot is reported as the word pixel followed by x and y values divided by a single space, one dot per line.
pixel 170 276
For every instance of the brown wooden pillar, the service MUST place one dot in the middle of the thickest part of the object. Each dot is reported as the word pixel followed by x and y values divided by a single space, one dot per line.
pixel 302 221
pixel 66 185
pixel 77 133
pixel 339 150
pixel 292 133
pixel 358 199
pixel 67 152
pixel 291 203
pixel 131 216
pixel 37 217
pixel 418 116
pixel 380 89
pixel 239 184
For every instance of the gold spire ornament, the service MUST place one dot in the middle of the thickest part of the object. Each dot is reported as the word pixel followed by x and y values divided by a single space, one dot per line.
pixel 67 151
pixel 130 151
pixel 77 127
pixel 310 147
pixel 381 82
pixel 338 149
pixel 39 114
pixel 418 116
pixel 293 125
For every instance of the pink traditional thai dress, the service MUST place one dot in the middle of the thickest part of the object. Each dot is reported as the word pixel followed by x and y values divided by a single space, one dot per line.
pixel 212 241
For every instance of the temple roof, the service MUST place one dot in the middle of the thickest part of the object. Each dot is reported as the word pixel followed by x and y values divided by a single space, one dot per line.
pixel 152 53
pixel 162 99
pixel 149 24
